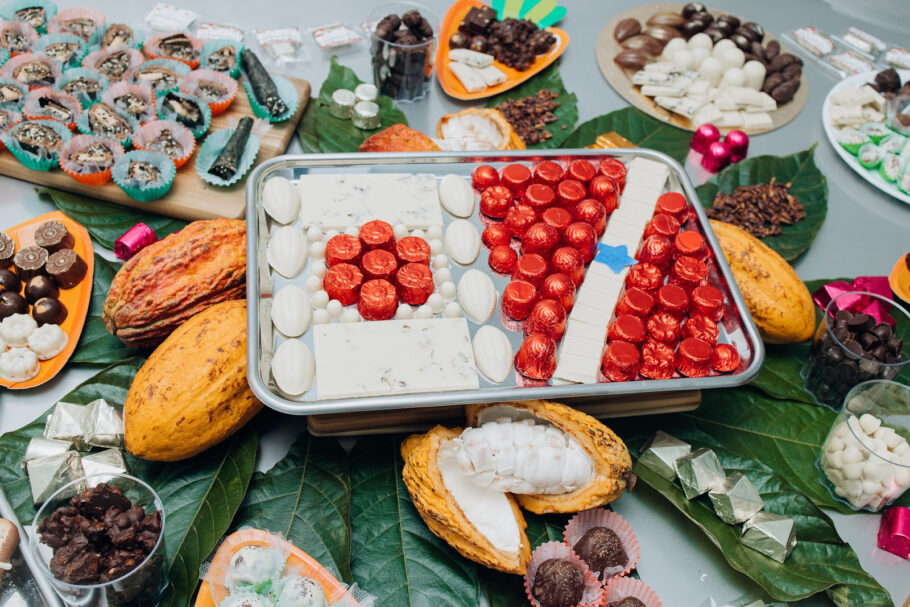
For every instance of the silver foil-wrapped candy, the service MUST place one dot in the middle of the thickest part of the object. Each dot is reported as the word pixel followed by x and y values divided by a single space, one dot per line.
pixel 109 461
pixel 44 447
pixel 662 453
pixel 65 423
pixel 737 500
pixel 102 425
pixel 48 474
pixel 771 534
pixel 699 472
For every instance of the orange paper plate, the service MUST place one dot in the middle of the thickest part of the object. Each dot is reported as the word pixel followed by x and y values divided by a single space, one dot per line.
pixel 76 299
pixel 899 279
pixel 453 87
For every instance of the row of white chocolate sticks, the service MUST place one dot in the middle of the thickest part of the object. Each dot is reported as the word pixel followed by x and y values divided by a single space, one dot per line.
pixel 475 71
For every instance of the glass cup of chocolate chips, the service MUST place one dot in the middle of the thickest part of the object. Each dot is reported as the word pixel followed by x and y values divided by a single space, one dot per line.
pixel 851 347
pixel 99 541
pixel 403 38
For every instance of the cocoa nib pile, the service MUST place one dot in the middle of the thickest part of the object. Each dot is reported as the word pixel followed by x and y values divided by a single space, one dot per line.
pixel 99 537
pixel 529 116
pixel 758 209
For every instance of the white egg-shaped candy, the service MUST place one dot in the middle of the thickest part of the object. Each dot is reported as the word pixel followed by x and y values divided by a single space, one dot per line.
pixel 424 312
pixel 442 275
pixel 754 73
pixel 702 41
pixel 334 308
pixel 673 46
pixel 436 303
pixel 722 46
pixel 462 242
pixel 314 234
pixel 419 234
pixel 732 77
pixel 313 284
pixel 698 56
pixel 280 199
pixel 452 310
pixel 712 70
pixel 321 317
pixel 448 290
pixel 456 195
pixel 287 251
pixel 351 231
pixel 293 367
pixel 317 250
pixel 291 311
pixel 493 353
pixel 350 315
pixel 436 246
pixel 400 231
pixel 319 300
pixel 318 270
pixel 733 57
pixel 683 59
pixel 440 261
pixel 434 232
pixel 404 312
pixel 477 295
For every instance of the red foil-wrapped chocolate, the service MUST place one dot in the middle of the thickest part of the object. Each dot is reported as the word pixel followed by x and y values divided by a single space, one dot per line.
pixel 583 237
pixel 503 259
pixel 531 267
pixel 539 196
pixel 547 317
pixel 581 170
pixel 379 264
pixel 662 224
pixel 568 261
pixel 342 282
pixel 484 177
pixel 725 359
pixel 569 193
pixel 738 142
pixel 606 190
pixel 664 327
pixel 615 169
pixel 413 249
pixel 549 172
pixel 620 361
pixel 593 212
pixel 673 299
pixel 343 248
pixel 516 177
pixel 536 357
pixel 894 531
pixel 693 357
pixel 627 327
pixel 559 287
pixel 557 217
pixel 645 276
pixel 134 240
pixel 691 243
pixel 704 136
pixel 495 201
pixel 496 234
pixel 377 234
pixel 539 238
pixel 635 301
pixel 378 300
pixel 709 302
pixel 415 283
pixel 688 273
pixel 518 298
pixel 658 360
pixel 658 250
pixel 519 218
pixel 716 156
pixel 702 328
pixel 672 203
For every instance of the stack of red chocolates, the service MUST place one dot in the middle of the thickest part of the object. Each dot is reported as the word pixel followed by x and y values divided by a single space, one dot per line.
pixel 376 272
pixel 542 228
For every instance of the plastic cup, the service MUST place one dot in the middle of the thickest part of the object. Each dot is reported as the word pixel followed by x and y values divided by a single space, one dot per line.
pixel 402 71
pixel 832 369
pixel 140 587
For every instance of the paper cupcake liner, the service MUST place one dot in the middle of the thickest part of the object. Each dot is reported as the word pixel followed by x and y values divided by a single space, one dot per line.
pixel 620 587
pixel 49 39
pixel 54 25
pixel 9 10
pixel 286 91
pixel 88 175
pixel 23 29
pixel 152 129
pixel 121 88
pixel 138 40
pixel 29 160
pixel 209 151
pixel 151 48
pixel 32 110
pixel 212 46
pixel 14 118
pixel 190 86
pixel 4 56
pixel 84 127
pixel 582 522
pixel 200 130
pixel 83 72
pixel 181 68
pixel 15 104
pixel 144 193
pixel 594 591
pixel 94 57
pixel 10 67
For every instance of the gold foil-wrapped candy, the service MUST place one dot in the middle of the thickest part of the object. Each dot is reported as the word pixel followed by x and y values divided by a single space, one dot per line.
pixel 102 425
pixel 699 472
pixel 65 423
pixel 662 453
pixel 771 534
pixel 48 474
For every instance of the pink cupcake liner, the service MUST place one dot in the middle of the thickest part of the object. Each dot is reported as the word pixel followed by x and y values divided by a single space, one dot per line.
pixel 621 587
pixel 582 522
pixel 150 130
pixel 80 141
pixel 94 57
pixel 121 88
pixel 10 66
pixel 151 48
pixel 23 29
pixel 32 108
pixel 14 119
pixel 189 85
pixel 54 26
pixel 593 595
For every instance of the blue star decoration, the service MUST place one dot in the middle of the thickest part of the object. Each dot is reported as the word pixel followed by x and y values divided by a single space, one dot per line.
pixel 615 258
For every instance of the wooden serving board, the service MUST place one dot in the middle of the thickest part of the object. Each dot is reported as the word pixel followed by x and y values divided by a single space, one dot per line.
pixel 189 198
pixel 621 79
pixel 419 420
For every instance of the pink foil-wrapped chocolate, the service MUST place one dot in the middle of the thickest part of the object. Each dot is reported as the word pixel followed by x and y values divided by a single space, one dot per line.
pixel 704 136
pixel 134 240
pixel 716 157
pixel 858 302
pixel 894 531
pixel 738 142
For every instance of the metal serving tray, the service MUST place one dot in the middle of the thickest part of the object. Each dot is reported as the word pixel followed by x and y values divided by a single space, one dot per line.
pixel 738 327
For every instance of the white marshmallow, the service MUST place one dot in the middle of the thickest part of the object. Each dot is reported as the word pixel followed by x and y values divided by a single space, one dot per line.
pixel 853 470
pixel 852 454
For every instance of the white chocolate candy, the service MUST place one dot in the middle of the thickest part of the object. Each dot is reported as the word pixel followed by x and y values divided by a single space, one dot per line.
pixel 350 315
pixel 683 60
pixel 440 261
pixel 317 250
pixel 452 310
pixel 456 195
pixel 423 312
pixel 404 312
pixel 493 353
pixel 435 232
pixel 442 275
pixel 319 300
pixel 351 231
pixel 754 73
pixel 467 76
pixel 698 57
pixel 321 317
pixel 469 57
pixel 293 367
pixel 673 46
pixel 318 270
pixel 15 329
pixel 331 234
pixel 47 341
pixel 436 247
pixel 334 308
pixel 419 234
pixel 700 40
pixel 448 290
pixel 721 47
pixel 869 423
pixel 291 313
pixel 313 284
pixel 732 57
pixel 712 70
pixel 733 76
pixel 287 251
pixel 280 199
pixel 462 241
pixel 477 295
pixel 400 231
pixel 314 234
pixel 436 303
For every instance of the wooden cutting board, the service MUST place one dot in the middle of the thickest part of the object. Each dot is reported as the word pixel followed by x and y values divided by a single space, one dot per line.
pixel 189 198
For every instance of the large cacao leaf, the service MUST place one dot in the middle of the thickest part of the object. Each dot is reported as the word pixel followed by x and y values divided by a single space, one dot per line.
pixel 637 127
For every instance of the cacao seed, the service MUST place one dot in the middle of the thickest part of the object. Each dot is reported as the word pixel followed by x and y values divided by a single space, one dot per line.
pixel 772 81
pixel 631 58
pixel 644 43
pixel 662 33
pixel 672 19
pixel 780 62
pixel 792 71
pixel 772 50
pixel 784 92
pixel 626 29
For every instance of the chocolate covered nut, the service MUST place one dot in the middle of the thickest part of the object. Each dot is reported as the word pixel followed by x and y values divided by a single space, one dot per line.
pixel 772 50
pixel 12 303
pixel 753 30
pixel 730 20
pixel 692 8
pixel 781 61
pixel 715 34
pixel 558 583
pixel 600 548
pixel 386 28
pixel 459 40
pixel 49 311
pixel 631 58
pixel 643 42
pixel 40 286
pixel 772 81
pixel 741 42
pixel 794 70
pixel 626 29
pixel 673 20
pixel 784 92
pixel 9 282
pixel 690 28
pixel 418 24
pixel 662 33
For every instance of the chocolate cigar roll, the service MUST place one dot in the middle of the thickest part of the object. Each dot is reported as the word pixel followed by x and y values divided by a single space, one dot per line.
pixel 53 236
pixel 30 262
pixel 67 268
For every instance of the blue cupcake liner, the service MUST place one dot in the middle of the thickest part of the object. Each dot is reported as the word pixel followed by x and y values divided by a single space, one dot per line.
pixel 164 114
pixel 4 56
pixel 181 68
pixel 144 192
pixel 8 10
pixel 49 39
pixel 286 90
pixel 212 46
pixel 31 161
pixel 22 87
pixel 83 72
pixel 83 125
pixel 209 151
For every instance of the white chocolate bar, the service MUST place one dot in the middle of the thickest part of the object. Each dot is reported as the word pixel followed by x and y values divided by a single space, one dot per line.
pixel 467 76
pixel 708 114
pixel 643 77
pixel 757 120
pixel 663 90
pixel 492 75
pixel 469 57
pixel 662 67
pixel 731 119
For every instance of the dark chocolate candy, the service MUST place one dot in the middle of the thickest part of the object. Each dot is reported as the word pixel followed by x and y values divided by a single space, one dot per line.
pixel 49 311
pixel 262 84
pixel 9 282
pixel 12 303
pixel 53 236
pixel 30 262
pixel 7 250
pixel 629 601
pixel 600 548
pixel 479 19
pixel 558 583
pixel 40 286
pixel 228 161
pixel 67 268
pixel 691 8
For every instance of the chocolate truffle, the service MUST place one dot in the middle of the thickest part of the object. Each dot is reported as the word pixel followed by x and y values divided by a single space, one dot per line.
pixel 49 311
pixel 30 262
pixel 9 282
pixel 7 250
pixel 67 268
pixel 12 303
pixel 629 601
pixel 40 286
pixel 53 236
pixel 558 583
pixel 600 548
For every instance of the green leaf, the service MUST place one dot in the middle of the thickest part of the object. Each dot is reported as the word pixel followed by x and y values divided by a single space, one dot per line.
pixel 808 185
pixel 306 129
pixel 307 498
pixel 567 112
pixel 107 222
pixel 637 127
pixel 335 134
pixel 394 554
